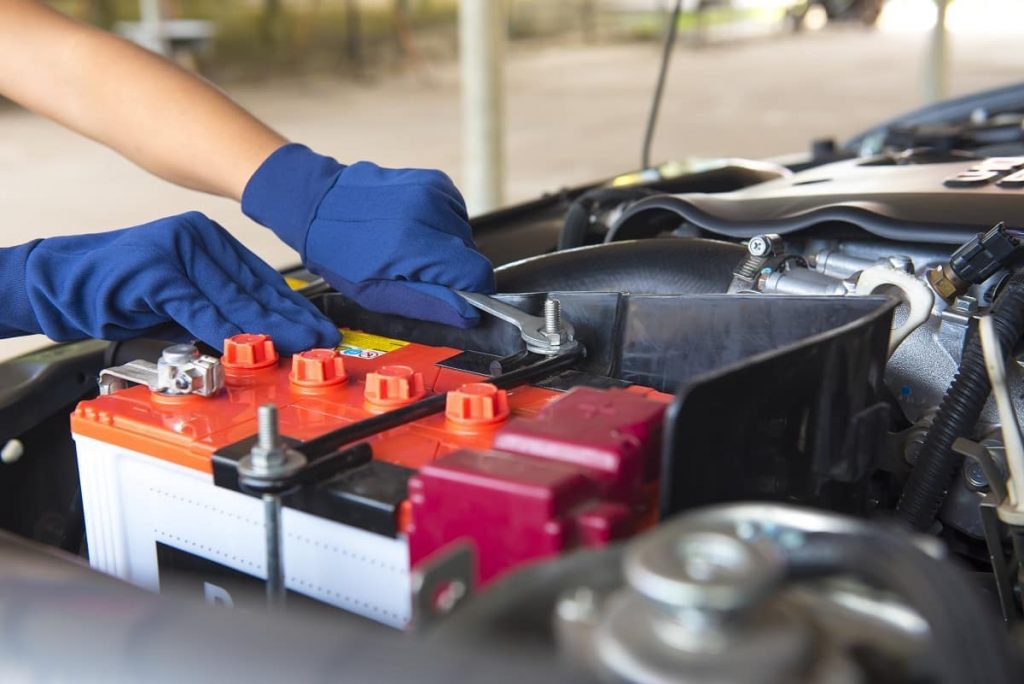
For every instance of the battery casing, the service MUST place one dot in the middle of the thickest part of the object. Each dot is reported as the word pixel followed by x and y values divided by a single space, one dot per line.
pixel 160 491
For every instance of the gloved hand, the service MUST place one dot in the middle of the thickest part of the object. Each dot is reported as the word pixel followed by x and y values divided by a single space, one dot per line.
pixel 126 282
pixel 393 240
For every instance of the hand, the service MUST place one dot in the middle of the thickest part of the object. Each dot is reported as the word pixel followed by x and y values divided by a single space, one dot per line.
pixel 394 240
pixel 185 269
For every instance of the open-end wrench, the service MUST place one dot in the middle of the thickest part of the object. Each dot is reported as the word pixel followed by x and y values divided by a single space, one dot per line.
pixel 548 334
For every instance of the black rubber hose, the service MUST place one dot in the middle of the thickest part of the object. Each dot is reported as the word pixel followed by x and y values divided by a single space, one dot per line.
pixel 967 641
pixel 959 411
pixel 655 266
pixel 578 220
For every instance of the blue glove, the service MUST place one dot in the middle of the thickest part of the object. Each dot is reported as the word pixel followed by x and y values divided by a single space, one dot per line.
pixel 393 240
pixel 125 283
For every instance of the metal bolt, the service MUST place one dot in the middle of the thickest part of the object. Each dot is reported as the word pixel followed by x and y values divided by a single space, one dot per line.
pixel 266 469
pixel 763 245
pixel 974 476
pixel 276 592
pixel 268 436
pixel 179 354
pixel 552 316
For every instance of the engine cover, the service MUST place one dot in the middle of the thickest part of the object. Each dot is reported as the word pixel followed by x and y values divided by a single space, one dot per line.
pixel 920 197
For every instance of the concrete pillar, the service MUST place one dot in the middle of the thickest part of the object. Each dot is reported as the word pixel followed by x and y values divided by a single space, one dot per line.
pixel 151 27
pixel 936 67
pixel 482 34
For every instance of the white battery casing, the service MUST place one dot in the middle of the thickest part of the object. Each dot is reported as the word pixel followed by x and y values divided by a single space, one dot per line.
pixel 133 501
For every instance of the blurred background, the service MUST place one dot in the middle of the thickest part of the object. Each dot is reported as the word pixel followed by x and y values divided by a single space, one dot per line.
pixel 381 80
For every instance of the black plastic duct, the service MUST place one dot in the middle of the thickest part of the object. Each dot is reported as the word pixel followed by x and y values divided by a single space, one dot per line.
pixel 654 266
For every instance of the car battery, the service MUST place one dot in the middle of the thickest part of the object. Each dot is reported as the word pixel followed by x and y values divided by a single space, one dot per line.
pixel 499 479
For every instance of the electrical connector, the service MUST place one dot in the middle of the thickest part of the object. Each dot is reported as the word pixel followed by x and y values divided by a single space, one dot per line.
pixel 982 256
pixel 973 262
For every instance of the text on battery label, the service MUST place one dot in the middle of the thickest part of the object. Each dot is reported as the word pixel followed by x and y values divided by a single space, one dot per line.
pixel 367 346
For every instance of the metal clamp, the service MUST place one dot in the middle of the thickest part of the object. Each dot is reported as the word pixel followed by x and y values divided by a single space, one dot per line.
pixel 181 370
pixel 549 334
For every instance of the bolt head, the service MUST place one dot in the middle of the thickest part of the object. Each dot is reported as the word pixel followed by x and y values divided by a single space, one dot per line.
pixel 180 354
pixel 758 246
pixel 974 476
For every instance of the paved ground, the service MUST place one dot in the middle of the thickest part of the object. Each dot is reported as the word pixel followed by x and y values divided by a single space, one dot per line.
pixel 574 114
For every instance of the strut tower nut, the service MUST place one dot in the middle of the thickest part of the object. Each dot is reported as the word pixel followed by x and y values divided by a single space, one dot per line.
pixel 318 368
pixel 394 386
pixel 478 403
pixel 249 352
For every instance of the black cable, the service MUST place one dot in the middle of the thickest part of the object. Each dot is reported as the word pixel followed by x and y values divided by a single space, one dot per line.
pixel 937 462
pixel 666 57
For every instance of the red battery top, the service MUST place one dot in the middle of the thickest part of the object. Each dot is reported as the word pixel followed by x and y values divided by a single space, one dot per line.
pixel 316 392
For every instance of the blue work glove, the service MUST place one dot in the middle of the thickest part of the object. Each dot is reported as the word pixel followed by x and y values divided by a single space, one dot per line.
pixel 125 283
pixel 393 240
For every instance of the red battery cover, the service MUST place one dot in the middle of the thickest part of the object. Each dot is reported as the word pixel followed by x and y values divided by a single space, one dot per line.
pixel 582 472
pixel 188 430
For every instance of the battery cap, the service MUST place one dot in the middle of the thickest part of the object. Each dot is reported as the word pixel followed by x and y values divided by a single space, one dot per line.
pixel 249 352
pixel 477 403
pixel 393 386
pixel 318 368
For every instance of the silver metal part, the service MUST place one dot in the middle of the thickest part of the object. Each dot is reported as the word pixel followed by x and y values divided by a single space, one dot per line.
pixel 921 255
pixel 705 601
pixel 759 249
pixel 552 317
pixel 800 281
pixel 550 334
pixel 441 584
pixel 276 592
pixel 181 370
pixel 635 643
pixel 700 571
pixel 839 264
pixel 268 462
pixel 765 245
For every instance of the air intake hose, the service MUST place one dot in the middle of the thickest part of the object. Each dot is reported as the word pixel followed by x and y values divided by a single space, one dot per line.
pixel 959 411
pixel 578 220
pixel 654 266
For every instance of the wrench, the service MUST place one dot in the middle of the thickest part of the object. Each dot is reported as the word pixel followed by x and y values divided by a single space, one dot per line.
pixel 538 333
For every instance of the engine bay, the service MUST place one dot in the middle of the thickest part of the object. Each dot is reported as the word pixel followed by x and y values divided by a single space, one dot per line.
pixel 755 422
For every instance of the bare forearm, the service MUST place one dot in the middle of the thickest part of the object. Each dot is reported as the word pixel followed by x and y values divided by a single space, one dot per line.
pixel 168 121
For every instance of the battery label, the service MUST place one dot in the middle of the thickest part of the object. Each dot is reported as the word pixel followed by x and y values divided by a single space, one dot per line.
pixel 296 283
pixel 367 346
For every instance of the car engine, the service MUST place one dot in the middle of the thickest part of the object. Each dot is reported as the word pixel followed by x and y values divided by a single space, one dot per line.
pixel 749 421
